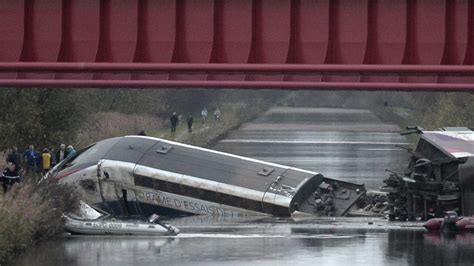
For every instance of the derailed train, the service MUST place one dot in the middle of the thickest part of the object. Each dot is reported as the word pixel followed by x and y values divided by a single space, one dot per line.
pixel 139 175
pixel 438 179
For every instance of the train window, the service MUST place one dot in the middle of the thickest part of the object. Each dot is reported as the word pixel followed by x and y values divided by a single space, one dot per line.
pixel 87 156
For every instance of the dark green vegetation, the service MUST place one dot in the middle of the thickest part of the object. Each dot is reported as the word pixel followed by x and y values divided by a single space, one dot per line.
pixel 47 117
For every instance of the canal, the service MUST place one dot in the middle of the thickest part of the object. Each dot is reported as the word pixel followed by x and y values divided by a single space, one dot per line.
pixel 347 144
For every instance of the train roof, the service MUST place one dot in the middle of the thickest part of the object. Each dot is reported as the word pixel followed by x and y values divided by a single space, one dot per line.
pixel 200 162
pixel 453 142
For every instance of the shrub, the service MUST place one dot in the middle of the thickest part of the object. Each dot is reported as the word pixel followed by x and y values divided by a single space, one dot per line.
pixel 31 212
pixel 112 124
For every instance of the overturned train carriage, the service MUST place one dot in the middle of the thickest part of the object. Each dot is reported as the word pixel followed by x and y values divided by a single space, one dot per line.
pixel 136 175
pixel 439 177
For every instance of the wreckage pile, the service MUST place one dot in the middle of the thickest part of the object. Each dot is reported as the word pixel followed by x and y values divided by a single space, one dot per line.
pixel 373 204
pixel 438 179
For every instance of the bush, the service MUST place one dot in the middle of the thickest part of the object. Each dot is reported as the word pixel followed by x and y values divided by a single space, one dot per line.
pixel 112 124
pixel 31 212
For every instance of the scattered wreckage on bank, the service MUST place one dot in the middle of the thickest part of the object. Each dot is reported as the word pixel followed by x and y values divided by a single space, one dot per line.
pixel 139 175
pixel 438 179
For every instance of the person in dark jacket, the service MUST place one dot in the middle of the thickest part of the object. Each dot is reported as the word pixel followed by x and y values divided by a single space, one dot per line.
pixel 61 154
pixel 174 122
pixel 14 157
pixel 33 161
pixel 9 176
pixel 190 123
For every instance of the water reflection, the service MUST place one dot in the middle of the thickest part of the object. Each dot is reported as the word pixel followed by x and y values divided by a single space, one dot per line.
pixel 261 244
pixel 431 248
pixel 109 250
pixel 348 144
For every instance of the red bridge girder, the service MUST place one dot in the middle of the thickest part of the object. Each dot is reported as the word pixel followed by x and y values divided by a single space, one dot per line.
pixel 306 44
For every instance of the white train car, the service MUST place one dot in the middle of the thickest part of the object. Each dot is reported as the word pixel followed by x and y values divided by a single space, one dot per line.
pixel 139 175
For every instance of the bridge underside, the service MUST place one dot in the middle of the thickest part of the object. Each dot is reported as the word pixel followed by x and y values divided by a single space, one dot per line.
pixel 290 44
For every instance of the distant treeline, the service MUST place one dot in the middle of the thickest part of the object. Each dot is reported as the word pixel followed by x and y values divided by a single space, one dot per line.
pixel 47 117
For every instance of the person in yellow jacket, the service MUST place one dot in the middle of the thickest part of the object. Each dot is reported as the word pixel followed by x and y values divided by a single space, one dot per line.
pixel 46 159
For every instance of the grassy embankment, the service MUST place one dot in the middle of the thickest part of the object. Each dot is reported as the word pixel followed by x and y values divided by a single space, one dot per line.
pixel 204 135
pixel 113 124
pixel 106 125
pixel 30 213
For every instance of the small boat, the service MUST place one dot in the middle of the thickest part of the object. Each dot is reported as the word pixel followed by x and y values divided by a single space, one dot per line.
pixel 92 221
pixel 451 223
pixel 118 227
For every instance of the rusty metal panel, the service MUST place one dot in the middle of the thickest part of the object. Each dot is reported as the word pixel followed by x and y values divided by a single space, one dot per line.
pixel 426 35
pixel 309 35
pixel 11 32
pixel 81 33
pixel 43 30
pixel 11 29
pixel 348 37
pixel 302 32
pixel 118 34
pixel 156 34
pixel 387 36
pixel 195 31
pixel 233 35
pixel 233 31
pixel 457 37
pixel 271 31
pixel 252 85
pixel 469 59
pixel 194 35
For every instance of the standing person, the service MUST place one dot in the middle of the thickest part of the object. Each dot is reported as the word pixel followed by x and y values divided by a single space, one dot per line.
pixel 53 156
pixel 61 154
pixel 217 115
pixel 9 176
pixel 174 122
pixel 70 151
pixel 33 160
pixel 190 123
pixel 14 157
pixel 204 115
pixel 46 160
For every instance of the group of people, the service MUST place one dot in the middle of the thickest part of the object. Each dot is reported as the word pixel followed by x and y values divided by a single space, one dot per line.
pixel 31 163
pixel 174 119
pixel 217 115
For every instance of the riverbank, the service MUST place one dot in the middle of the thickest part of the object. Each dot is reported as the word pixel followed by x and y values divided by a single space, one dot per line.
pixel 30 213
pixel 207 134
